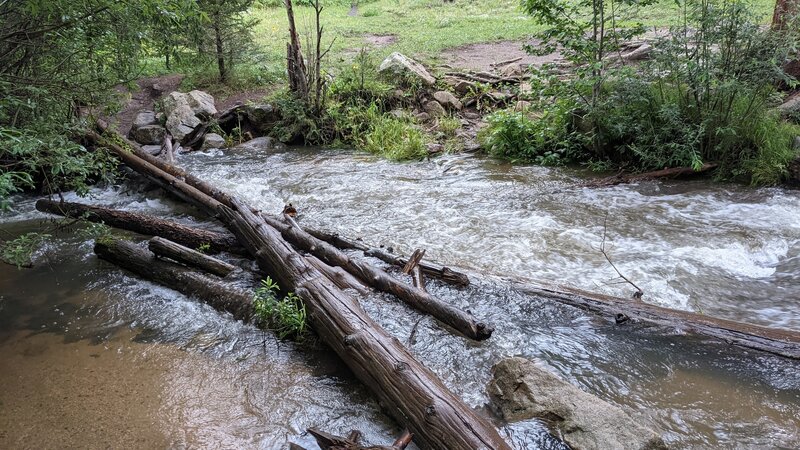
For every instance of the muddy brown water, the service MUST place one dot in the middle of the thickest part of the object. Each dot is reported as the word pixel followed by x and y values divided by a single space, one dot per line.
pixel 91 357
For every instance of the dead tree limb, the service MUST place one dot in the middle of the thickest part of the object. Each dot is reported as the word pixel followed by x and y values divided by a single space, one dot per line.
pixel 370 275
pixel 191 282
pixel 410 391
pixel 639 292
pixel 327 441
pixel 780 342
pixel 674 172
pixel 145 224
pixel 193 258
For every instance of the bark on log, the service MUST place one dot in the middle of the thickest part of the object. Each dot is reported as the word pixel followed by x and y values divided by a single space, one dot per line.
pixel 410 391
pixel 193 258
pixel 460 320
pixel 327 441
pixel 674 172
pixel 145 264
pixel 781 342
pixel 145 224
pixel 339 276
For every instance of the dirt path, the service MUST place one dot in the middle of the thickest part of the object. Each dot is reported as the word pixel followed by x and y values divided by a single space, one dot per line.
pixel 487 56
pixel 150 90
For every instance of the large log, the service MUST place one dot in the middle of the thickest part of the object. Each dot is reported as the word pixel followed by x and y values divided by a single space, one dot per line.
pixel 145 224
pixel 194 258
pixel 667 173
pixel 781 342
pixel 419 299
pixel 191 282
pixel 410 391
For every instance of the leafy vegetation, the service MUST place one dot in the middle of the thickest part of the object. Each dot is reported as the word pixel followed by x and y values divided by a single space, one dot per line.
pixel 285 316
pixel 19 251
pixel 705 97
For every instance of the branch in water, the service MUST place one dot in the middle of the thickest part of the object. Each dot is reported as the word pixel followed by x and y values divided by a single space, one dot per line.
pixel 639 292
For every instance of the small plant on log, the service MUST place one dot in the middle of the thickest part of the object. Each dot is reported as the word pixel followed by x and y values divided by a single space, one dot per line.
pixel 286 317
pixel 204 247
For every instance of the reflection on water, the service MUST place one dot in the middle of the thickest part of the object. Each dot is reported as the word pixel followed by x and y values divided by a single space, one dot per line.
pixel 199 379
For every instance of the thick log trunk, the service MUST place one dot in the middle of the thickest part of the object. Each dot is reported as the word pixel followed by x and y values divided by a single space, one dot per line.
pixel 432 270
pixel 339 276
pixel 147 225
pixel 193 258
pixel 777 341
pixel 674 172
pixel 410 391
pixel 145 264
pixel 370 275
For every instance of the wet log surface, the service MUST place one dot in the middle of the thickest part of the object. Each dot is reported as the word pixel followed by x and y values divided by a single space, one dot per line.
pixel 777 341
pixel 177 252
pixel 142 262
pixel 372 276
pixel 674 172
pixel 147 225
pixel 411 393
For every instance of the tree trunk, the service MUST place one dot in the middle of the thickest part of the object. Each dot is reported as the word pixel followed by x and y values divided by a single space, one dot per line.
pixel 223 71
pixel 145 264
pixel 146 225
pixel 411 392
pixel 193 258
pixel 296 69
pixel 785 10
pixel 463 322
pixel 771 340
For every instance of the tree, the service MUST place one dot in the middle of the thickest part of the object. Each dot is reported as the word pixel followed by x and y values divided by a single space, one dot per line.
pixel 228 33
pixel 785 11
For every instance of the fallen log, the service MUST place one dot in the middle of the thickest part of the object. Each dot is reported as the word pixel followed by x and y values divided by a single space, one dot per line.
pixel 370 275
pixel 411 393
pixel 340 277
pixel 145 224
pixel 177 252
pixel 781 342
pixel 432 270
pixel 673 172
pixel 144 263
pixel 327 441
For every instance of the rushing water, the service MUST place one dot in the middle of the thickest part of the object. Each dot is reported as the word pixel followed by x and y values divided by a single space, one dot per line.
pixel 91 354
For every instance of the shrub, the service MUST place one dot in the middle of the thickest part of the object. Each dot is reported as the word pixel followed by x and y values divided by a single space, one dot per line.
pixel 286 317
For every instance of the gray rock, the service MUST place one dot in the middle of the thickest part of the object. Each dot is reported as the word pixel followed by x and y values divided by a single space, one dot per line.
pixel 434 108
pixel 261 144
pixel 638 54
pixel 144 119
pixel 154 150
pixel 463 87
pixel 790 106
pixel 263 117
pixel 471 115
pixel 522 105
pixel 398 64
pixel 212 140
pixel 148 134
pixel 434 147
pixel 523 391
pixel 448 100
pixel 423 117
pixel 182 111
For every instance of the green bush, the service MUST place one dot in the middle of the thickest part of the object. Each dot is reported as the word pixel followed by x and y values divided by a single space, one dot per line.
pixel 286 317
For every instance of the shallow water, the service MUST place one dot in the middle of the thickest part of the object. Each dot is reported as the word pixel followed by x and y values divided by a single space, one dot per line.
pixel 727 250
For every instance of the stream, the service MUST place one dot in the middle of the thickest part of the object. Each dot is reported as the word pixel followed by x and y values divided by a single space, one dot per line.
pixel 93 357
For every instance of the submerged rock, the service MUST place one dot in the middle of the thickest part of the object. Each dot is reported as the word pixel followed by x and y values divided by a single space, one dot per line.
pixel 522 391
pixel 261 144
pixel 154 150
pixel 400 65
pixel 212 140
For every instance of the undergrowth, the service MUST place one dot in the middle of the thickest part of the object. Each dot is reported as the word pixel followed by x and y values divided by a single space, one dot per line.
pixel 285 316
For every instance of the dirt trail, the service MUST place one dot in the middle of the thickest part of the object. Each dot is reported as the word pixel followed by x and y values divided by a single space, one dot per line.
pixel 150 90
pixel 486 56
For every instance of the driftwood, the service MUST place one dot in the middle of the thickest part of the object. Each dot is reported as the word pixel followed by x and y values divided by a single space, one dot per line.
pixel 674 172
pixel 193 258
pixel 771 340
pixel 327 441
pixel 145 264
pixel 411 393
pixel 370 275
pixel 339 276
pixel 147 225
pixel 430 269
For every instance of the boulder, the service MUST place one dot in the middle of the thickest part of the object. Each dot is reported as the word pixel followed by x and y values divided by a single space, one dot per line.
pixel 144 119
pixel 790 106
pixel 261 144
pixel 521 390
pixel 262 117
pixel 423 117
pixel 154 150
pixel 448 100
pixel 434 108
pixel 638 54
pixel 212 140
pixel 398 64
pixel 182 111
pixel 149 134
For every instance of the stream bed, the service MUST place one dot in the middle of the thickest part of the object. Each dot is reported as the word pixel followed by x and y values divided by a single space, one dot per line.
pixel 92 357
